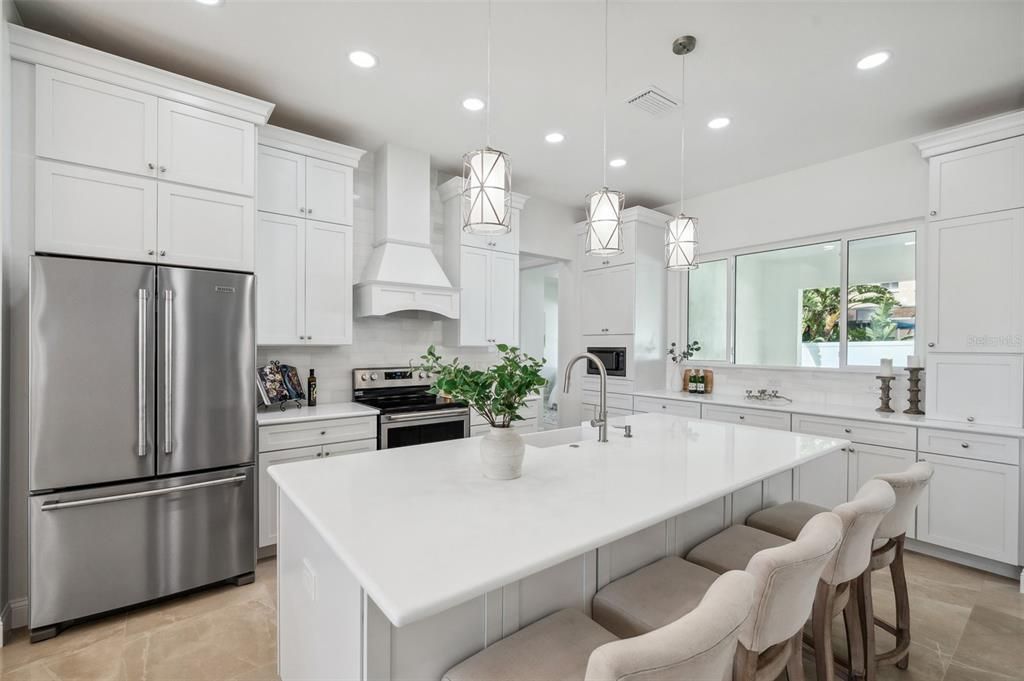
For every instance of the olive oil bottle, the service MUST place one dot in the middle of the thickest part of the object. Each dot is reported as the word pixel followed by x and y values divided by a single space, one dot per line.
pixel 311 389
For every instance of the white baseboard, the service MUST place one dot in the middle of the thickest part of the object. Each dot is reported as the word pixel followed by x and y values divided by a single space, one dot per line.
pixel 960 558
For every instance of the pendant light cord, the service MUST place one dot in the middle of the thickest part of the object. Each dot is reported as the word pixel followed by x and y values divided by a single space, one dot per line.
pixel 604 123
pixel 487 117
pixel 682 135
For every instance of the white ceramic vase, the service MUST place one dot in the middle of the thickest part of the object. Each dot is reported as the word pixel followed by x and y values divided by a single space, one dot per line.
pixel 501 454
pixel 675 378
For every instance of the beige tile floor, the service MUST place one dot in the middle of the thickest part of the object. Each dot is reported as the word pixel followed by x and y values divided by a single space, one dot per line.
pixel 967 626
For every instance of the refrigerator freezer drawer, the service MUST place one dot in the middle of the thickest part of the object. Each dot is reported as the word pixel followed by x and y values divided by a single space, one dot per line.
pixel 105 548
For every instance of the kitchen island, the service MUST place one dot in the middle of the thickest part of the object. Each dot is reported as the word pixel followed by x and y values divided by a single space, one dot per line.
pixel 398 564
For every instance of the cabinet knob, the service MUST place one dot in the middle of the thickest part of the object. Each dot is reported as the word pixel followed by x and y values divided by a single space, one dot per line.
pixel 323 432
pixel 163 169
pixel 664 406
pixel 605 262
pixel 301 209
pixel 970 419
pixel 847 430
pixel 931 345
pixel 309 338
pixel 162 253
pixel 150 166
pixel 327 453
pixel 742 417
pixel 932 213
pixel 965 445
pixel 302 338
pixel 849 450
pixel 309 211
pixel 150 252
pixel 318 454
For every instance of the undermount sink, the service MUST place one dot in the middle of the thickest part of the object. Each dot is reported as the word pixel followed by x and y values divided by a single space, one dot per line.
pixel 562 436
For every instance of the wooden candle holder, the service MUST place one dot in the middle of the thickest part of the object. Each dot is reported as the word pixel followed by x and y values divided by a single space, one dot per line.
pixel 886 396
pixel 914 390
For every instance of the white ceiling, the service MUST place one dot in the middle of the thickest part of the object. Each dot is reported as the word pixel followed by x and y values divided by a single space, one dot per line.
pixel 784 72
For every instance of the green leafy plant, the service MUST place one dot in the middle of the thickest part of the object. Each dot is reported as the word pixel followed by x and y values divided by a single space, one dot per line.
pixel 680 356
pixel 497 393
pixel 821 310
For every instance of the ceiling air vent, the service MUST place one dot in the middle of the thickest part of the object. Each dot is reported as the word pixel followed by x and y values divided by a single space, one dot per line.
pixel 653 100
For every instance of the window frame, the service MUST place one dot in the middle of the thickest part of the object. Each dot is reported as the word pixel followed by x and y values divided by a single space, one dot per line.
pixel 679 290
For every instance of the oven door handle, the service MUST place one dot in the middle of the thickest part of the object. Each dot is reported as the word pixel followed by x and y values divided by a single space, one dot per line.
pixel 432 416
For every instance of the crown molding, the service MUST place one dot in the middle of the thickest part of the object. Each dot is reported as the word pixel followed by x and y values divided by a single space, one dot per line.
pixel 971 134
pixel 307 145
pixel 39 48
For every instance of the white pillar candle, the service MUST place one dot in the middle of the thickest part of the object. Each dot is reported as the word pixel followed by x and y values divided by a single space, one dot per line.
pixel 886 367
pixel 913 361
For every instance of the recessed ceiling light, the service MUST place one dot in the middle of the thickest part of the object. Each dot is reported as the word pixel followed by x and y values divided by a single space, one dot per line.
pixel 210 3
pixel 554 137
pixel 363 60
pixel 617 162
pixel 718 123
pixel 873 60
pixel 473 104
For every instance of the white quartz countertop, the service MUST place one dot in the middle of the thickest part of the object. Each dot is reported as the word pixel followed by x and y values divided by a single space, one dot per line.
pixel 272 416
pixel 422 530
pixel 835 411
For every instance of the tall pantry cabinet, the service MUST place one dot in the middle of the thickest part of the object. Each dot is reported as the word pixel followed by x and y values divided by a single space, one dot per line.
pixel 304 233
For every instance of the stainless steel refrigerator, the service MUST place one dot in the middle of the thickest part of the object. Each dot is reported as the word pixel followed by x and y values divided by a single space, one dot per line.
pixel 142 434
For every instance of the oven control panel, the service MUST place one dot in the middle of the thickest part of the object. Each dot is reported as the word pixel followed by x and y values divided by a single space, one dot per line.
pixel 390 377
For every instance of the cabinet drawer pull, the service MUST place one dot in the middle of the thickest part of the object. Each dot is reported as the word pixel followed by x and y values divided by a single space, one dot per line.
pixel 847 430
pixel 319 454
pixel 933 213
pixel 742 417
pixel 605 262
pixel 970 419
pixel 931 345
pixel 323 432
pixel 965 445
pixel 150 166
pixel 664 406
pixel 163 169
pixel 309 211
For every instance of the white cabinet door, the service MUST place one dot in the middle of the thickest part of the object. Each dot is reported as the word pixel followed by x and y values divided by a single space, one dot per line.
pixel 761 418
pixel 95 213
pixel 508 242
pixel 969 309
pixel 975 388
pixel 282 182
pixel 823 481
pixel 473 297
pixel 88 121
pixel 328 191
pixel 328 284
pixel 867 461
pixel 203 228
pixel 971 506
pixel 206 149
pixel 608 301
pixel 503 298
pixel 628 255
pixel 280 280
pixel 980 179
pixel 268 489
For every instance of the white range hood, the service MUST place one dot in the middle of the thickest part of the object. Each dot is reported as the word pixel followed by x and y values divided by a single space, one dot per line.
pixel 402 273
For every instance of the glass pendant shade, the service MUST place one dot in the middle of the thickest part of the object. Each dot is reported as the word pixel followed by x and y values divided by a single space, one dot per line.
pixel 486 192
pixel 681 243
pixel 604 222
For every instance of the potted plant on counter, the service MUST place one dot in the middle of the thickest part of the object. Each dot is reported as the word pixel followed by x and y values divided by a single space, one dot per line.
pixel 678 357
pixel 497 393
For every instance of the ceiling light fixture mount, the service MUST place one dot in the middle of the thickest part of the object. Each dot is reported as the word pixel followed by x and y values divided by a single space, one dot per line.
pixel 486 175
pixel 873 60
pixel 681 231
pixel 554 137
pixel 362 59
pixel 604 207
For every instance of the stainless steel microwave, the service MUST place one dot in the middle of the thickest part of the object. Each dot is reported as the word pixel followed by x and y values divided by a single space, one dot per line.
pixel 614 360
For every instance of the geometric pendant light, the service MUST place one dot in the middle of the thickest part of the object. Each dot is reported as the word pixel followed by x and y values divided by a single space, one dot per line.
pixel 681 231
pixel 487 177
pixel 604 207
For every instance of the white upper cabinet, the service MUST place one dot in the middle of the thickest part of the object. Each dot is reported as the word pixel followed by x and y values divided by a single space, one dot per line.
pixel 280 279
pixel 328 191
pixel 489 298
pixel 608 301
pixel 975 388
pixel 328 284
pixel 507 242
pixel 980 179
pixel 206 149
pixel 628 255
pixel 203 228
pixel 975 283
pixel 473 298
pixel 95 213
pixel 87 121
pixel 282 182
pixel 503 293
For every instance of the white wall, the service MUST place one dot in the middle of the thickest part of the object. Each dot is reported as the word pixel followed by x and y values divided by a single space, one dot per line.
pixel 548 228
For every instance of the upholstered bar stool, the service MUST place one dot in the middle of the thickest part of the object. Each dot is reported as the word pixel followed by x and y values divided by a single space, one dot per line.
pixel 567 646
pixel 786 520
pixel 861 518
pixel 785 581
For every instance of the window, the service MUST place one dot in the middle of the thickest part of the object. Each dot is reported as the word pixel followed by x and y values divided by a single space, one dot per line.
pixel 788 308
pixel 800 307
pixel 707 310
pixel 881 299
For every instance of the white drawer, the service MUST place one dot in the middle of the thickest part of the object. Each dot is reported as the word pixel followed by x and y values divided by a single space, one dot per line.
pixel 312 433
pixel 615 401
pixel 615 384
pixel 970 445
pixel 341 448
pixel 883 434
pixel 746 417
pixel 674 407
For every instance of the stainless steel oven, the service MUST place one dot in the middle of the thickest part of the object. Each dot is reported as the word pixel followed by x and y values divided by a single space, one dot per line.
pixel 614 360
pixel 417 428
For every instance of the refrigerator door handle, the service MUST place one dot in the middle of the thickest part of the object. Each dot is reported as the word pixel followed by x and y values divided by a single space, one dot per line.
pixel 143 389
pixel 168 373
pixel 57 505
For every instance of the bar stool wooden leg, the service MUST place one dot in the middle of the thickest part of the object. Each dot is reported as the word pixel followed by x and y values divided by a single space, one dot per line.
pixel 744 666
pixel 867 625
pixel 899 587
pixel 854 633
pixel 821 628
pixel 795 664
